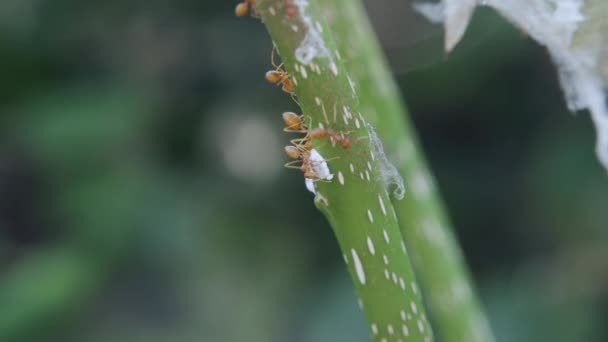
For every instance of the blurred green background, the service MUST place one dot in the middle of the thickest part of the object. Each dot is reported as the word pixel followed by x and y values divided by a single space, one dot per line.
pixel 143 198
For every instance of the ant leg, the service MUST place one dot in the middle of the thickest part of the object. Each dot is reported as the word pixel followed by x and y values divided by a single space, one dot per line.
pixel 289 130
pixel 319 162
pixel 293 165
pixel 295 98
pixel 303 144
pixel 298 142
pixel 274 64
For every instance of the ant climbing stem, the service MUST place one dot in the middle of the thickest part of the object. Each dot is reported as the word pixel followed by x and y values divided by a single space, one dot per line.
pixel 280 77
pixel 295 124
pixel 306 158
pixel 310 162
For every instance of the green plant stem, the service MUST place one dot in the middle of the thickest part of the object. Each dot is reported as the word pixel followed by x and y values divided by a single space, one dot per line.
pixel 437 258
pixel 355 201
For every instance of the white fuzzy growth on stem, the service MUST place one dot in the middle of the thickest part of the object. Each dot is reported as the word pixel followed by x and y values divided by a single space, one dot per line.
pixel 312 46
pixel 390 176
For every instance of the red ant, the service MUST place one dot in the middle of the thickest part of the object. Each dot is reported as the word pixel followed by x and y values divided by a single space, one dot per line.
pixel 279 76
pixel 321 133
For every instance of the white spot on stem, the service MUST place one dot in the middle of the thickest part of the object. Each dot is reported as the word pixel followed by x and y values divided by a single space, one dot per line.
pixel 304 72
pixel 352 85
pixel 358 267
pixel 340 178
pixel 414 307
pixel 334 68
pixel 319 27
pixel 324 113
pixel 420 326
pixel 370 246
pixel 382 207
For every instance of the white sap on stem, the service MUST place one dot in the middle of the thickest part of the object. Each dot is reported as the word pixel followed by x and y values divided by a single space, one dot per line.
pixel 572 31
